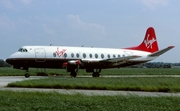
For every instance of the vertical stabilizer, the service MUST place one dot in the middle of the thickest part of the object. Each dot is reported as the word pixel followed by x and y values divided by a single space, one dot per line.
pixel 149 44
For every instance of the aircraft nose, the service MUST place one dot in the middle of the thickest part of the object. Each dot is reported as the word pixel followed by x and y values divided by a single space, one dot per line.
pixel 12 58
pixel 10 61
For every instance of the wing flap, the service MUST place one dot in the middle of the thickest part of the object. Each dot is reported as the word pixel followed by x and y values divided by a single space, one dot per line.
pixel 121 59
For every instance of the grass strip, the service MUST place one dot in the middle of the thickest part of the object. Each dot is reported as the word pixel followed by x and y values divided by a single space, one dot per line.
pixel 151 84
pixel 53 101
pixel 9 71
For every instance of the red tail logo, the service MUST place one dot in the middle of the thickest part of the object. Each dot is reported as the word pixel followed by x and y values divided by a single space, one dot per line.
pixel 149 43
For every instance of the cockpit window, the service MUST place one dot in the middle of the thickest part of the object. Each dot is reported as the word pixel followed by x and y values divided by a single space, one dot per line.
pixel 22 50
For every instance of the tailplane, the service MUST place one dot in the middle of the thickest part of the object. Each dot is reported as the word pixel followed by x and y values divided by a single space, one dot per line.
pixel 149 44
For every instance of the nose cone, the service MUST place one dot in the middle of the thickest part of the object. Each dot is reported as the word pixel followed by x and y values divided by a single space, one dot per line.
pixel 12 59
pixel 9 61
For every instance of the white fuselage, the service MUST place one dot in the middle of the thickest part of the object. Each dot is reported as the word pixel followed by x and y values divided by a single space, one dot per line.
pixel 55 56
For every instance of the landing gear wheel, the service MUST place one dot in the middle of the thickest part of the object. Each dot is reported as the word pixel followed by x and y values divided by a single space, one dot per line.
pixel 27 75
pixel 95 74
pixel 73 74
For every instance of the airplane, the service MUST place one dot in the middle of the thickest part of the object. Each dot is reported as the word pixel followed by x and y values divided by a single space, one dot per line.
pixel 89 58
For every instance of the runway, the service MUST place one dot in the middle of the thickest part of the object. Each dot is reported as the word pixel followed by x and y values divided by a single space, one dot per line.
pixel 8 79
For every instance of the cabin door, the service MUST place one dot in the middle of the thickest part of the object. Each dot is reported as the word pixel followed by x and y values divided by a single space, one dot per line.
pixel 40 55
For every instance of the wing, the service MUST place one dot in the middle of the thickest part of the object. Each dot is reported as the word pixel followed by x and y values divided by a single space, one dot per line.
pixel 121 59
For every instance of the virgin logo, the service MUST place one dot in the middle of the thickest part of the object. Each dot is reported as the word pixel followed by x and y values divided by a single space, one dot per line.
pixel 59 53
pixel 148 42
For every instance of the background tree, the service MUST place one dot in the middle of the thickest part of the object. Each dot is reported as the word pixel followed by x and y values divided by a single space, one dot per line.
pixel 4 64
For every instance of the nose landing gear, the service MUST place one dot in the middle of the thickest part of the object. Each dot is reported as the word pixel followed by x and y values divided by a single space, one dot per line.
pixel 27 75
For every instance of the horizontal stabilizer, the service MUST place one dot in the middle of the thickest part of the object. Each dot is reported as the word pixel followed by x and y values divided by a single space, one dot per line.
pixel 120 59
pixel 160 52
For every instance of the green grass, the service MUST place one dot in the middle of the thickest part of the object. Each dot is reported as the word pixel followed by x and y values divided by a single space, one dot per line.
pixel 53 101
pixel 152 84
pixel 122 71
pixel 142 71
pixel 9 71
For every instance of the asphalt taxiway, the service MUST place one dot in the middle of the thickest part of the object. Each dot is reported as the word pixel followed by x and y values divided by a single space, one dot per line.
pixel 8 79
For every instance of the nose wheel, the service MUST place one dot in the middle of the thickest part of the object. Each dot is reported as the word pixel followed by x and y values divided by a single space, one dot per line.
pixel 27 75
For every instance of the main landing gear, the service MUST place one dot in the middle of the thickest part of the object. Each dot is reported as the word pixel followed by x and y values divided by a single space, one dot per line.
pixel 96 74
pixel 73 73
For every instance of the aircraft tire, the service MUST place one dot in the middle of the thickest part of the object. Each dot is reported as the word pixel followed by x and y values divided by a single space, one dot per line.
pixel 73 74
pixel 27 75
pixel 95 74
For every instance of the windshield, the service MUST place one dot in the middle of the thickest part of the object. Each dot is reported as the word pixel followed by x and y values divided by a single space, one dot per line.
pixel 22 50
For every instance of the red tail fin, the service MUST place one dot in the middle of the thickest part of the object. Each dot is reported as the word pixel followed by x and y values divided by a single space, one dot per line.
pixel 149 43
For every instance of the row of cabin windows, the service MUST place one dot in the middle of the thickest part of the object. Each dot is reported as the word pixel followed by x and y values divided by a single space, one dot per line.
pixel 90 55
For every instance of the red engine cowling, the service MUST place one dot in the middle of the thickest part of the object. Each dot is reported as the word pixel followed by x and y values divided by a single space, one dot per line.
pixel 71 63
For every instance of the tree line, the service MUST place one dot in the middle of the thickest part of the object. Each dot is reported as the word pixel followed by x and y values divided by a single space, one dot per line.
pixel 4 64
pixel 157 65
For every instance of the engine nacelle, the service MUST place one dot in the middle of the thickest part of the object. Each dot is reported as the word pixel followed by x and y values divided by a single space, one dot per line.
pixel 72 63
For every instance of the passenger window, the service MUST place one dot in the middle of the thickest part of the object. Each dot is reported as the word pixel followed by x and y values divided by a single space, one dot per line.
pixel 109 56
pixel 114 55
pixel 102 56
pixel 77 55
pixel 65 54
pixel 72 55
pixel 90 55
pixel 84 55
pixel 96 55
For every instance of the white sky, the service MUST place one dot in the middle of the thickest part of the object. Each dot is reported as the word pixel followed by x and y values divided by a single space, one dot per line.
pixel 98 23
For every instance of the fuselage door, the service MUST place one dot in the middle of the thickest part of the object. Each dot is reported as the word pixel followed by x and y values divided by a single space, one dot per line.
pixel 40 55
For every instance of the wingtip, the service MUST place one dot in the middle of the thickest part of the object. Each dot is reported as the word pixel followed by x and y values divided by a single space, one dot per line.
pixel 171 46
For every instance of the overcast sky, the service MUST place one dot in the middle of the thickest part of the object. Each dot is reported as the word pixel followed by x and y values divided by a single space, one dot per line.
pixel 97 23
